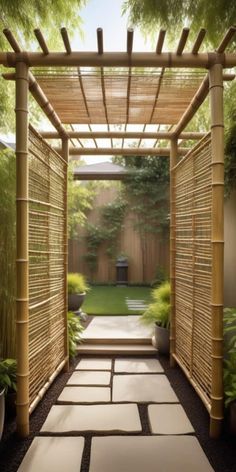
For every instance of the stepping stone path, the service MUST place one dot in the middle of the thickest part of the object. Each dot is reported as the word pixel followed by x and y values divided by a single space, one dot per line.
pixel 112 390
pixel 135 305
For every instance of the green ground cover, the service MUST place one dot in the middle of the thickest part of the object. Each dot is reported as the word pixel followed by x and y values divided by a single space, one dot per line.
pixel 109 300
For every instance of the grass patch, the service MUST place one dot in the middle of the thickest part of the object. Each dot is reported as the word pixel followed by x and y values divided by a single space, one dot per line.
pixel 107 300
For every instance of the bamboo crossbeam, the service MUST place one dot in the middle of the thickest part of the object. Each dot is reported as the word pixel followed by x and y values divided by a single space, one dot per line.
pixel 41 41
pixel 160 41
pixel 22 253
pixel 182 41
pixel 226 40
pixel 121 134
pixel 157 93
pixel 100 40
pixel 130 35
pixel 199 40
pixel 119 59
pixel 130 38
pixel 217 235
pixel 122 151
pixel 66 40
pixel 36 90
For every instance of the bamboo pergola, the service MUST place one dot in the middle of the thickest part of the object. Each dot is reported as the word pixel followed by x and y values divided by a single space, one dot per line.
pixel 117 90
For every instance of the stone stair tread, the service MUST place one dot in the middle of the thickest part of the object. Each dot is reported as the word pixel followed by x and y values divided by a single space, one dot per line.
pixel 106 348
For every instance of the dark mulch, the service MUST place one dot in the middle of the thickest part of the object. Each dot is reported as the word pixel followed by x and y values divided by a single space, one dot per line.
pixel 221 452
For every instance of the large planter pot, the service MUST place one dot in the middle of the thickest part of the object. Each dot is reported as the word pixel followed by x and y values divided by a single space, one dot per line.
pixel 162 339
pixel 2 410
pixel 75 301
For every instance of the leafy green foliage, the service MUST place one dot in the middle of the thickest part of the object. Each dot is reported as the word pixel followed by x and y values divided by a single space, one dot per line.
pixel 8 375
pixel 7 253
pixel 159 311
pixel 76 283
pixel 174 14
pixel 80 198
pixel 230 355
pixel 75 330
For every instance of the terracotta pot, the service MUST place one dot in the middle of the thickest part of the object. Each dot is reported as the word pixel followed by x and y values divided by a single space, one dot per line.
pixel 2 410
pixel 75 301
pixel 162 339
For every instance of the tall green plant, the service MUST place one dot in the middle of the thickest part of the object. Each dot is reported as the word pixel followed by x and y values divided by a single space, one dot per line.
pixel 7 254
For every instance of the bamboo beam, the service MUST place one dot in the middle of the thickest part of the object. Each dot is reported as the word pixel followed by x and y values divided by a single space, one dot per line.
pixel 66 40
pixel 100 52
pixel 130 38
pixel 22 253
pixel 226 40
pixel 173 162
pixel 182 41
pixel 100 40
pixel 65 155
pixel 122 151
pixel 121 134
pixel 198 42
pixel 41 41
pixel 157 94
pixel 217 297
pixel 118 59
pixel 160 41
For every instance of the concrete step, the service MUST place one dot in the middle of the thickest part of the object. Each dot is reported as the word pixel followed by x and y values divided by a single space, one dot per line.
pixel 120 349
pixel 118 340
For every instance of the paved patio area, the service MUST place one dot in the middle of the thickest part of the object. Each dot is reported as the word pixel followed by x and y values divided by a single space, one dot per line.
pixel 104 402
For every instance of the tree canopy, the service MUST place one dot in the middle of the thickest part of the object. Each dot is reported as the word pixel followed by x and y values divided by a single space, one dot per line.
pixel 214 15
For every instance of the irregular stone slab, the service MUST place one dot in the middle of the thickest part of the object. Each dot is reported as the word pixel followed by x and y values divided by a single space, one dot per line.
pixel 115 328
pixel 168 419
pixel 89 378
pixel 134 365
pixel 53 455
pixel 143 389
pixel 113 418
pixel 94 364
pixel 148 453
pixel 85 395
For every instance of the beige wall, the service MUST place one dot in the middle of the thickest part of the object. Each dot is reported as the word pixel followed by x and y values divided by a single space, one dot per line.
pixel 230 251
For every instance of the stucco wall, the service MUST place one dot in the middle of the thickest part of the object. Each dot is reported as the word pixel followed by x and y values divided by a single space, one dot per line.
pixel 230 251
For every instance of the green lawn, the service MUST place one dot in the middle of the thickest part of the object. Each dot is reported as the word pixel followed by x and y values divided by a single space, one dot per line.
pixel 109 300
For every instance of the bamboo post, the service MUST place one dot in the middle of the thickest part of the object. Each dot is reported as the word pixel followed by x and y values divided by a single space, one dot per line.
pixel 22 261
pixel 65 155
pixel 173 162
pixel 217 137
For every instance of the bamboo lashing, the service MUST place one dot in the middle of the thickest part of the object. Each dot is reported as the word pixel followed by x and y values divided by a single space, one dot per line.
pixel 217 295
pixel 199 40
pixel 22 260
pixel 182 41
pixel 41 41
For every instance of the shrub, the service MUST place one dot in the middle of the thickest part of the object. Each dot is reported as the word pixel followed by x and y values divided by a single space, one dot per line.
pixel 159 311
pixel 76 283
pixel 75 329
pixel 8 375
pixel 229 355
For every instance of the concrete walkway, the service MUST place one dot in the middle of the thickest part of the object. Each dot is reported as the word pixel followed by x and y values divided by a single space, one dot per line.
pixel 104 399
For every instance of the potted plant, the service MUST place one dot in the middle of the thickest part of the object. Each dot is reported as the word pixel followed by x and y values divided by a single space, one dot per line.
pixel 7 384
pixel 77 288
pixel 230 367
pixel 158 313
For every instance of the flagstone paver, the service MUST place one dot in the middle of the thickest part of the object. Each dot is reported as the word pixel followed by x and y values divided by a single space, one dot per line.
pixel 147 453
pixel 112 418
pixel 89 378
pixel 85 395
pixel 143 388
pixel 138 365
pixel 94 364
pixel 118 327
pixel 168 419
pixel 51 454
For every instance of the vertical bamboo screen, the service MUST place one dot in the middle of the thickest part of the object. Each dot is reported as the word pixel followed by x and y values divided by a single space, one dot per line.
pixel 193 267
pixel 47 247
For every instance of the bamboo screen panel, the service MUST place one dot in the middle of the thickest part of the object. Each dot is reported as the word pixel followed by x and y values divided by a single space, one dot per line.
pixel 81 101
pixel 47 309
pixel 193 266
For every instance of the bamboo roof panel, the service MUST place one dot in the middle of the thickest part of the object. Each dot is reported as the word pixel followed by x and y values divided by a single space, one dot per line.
pixel 77 106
